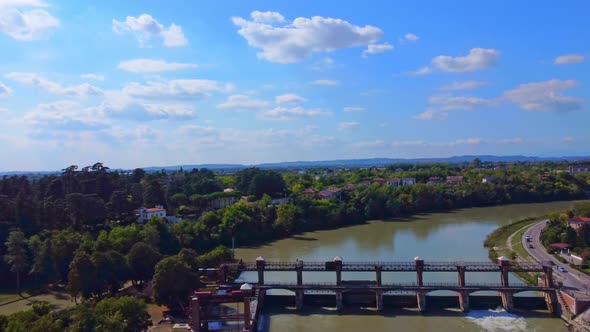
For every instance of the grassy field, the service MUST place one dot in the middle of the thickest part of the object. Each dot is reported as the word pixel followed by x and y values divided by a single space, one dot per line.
pixel 12 303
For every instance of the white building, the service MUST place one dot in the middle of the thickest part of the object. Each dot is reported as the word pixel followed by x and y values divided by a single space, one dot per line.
pixel 144 215
pixel 408 181
pixel 579 169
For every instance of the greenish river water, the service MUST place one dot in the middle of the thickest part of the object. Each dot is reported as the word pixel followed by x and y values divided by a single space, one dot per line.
pixel 456 235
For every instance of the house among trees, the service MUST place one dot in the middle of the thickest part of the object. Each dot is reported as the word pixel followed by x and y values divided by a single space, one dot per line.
pixel 435 180
pixel 329 193
pixel 488 179
pixel 145 214
pixel 454 179
pixel 578 222
pixel 579 169
pixel 408 181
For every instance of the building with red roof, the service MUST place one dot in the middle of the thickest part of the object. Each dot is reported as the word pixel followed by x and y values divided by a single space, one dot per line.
pixel 578 222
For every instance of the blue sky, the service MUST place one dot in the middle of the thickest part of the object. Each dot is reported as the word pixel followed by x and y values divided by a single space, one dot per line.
pixel 142 83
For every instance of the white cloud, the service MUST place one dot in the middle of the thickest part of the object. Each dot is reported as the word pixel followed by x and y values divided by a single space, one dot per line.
pixel 82 90
pixel 129 109
pixel 289 98
pixel 22 3
pixel 350 109
pixel 368 144
pixel 267 17
pixel 153 66
pixel 411 37
pixel 63 115
pixel 450 102
pixel 349 125
pixel 296 41
pixel 325 82
pixel 4 90
pixel 242 102
pixel 145 27
pixel 569 59
pixel 422 71
pixel 544 96
pixel 441 104
pixel 515 140
pixel 3 110
pixel 284 113
pixel 174 89
pixel 569 139
pixel 477 59
pixel 407 143
pixel 197 130
pixel 432 114
pixel 178 111
pixel 319 140
pixel 25 25
pixel 92 76
pixel 377 48
pixel 464 85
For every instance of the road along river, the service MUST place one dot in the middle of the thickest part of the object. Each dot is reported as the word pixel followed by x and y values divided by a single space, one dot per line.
pixel 451 236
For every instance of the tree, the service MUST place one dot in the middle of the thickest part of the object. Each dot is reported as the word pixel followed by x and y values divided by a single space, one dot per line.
pixel 153 194
pixel 83 278
pixel 142 259
pixel 285 222
pixel 173 282
pixel 131 310
pixel 16 254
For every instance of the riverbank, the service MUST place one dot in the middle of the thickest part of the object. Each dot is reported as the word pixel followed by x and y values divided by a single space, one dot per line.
pixel 506 241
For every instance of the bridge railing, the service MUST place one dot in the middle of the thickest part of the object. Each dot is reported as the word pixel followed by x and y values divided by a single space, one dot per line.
pixel 401 285
pixel 389 266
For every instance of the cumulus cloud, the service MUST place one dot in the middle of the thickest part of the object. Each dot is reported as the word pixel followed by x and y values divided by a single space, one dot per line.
pixel 441 104
pixel 197 130
pixel 25 25
pixel 411 37
pixel 145 27
pixel 351 109
pixel 450 102
pixel 175 89
pixel 33 79
pixel 432 114
pixel 63 115
pixel 297 40
pixel 368 144
pixel 569 59
pixel 242 102
pixel 349 125
pixel 377 48
pixel 544 96
pixel 4 90
pixel 477 59
pixel 324 82
pixel 92 76
pixel 289 98
pixel 135 110
pixel 464 85
pixel 153 66
pixel 267 17
pixel 284 113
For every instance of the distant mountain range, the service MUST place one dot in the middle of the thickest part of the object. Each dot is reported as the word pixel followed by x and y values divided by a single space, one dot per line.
pixel 344 163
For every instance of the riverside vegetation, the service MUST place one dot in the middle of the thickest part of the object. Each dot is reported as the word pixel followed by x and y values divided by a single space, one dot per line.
pixel 79 229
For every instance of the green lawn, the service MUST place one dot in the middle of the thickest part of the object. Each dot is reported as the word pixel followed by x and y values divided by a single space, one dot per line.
pixel 517 244
pixel 11 302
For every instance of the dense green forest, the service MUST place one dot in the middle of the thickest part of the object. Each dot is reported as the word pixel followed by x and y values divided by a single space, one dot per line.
pixel 79 228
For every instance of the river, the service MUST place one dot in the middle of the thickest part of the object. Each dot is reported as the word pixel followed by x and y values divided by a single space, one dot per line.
pixel 449 236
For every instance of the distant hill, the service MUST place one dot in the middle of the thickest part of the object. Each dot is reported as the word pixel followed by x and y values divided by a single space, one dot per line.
pixel 342 163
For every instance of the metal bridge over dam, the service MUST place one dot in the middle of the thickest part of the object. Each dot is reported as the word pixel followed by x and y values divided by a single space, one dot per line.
pixel 344 291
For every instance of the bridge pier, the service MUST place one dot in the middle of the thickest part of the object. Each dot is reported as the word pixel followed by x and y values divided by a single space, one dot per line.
pixel 464 301
pixel 379 300
pixel 507 300
pixel 338 267
pixel 339 300
pixel 247 320
pixel 195 321
pixel 378 274
pixel 552 302
pixel 299 299
pixel 421 299
pixel 419 263
pixel 260 263
pixel 504 264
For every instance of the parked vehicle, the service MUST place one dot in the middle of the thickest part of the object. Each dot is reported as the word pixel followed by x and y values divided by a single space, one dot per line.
pixel 561 269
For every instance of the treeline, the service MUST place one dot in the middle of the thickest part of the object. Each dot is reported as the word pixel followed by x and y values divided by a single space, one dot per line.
pixel 78 228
